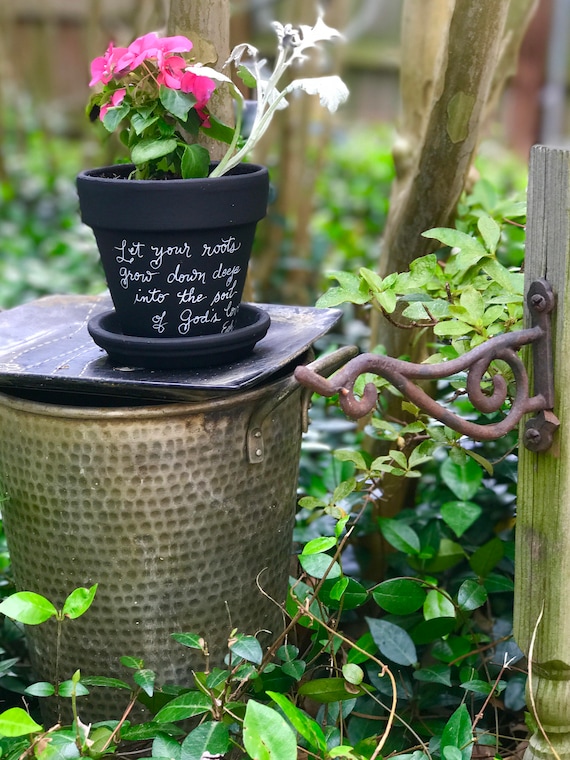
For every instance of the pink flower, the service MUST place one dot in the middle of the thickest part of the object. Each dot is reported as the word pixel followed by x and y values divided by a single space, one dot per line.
pixel 116 98
pixel 103 67
pixel 199 85
pixel 171 71
pixel 202 87
pixel 149 47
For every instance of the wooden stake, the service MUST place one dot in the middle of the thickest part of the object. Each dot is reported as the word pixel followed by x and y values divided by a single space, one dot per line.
pixel 543 521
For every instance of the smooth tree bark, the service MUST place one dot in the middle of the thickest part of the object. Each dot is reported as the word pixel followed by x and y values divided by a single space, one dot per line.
pixel 207 24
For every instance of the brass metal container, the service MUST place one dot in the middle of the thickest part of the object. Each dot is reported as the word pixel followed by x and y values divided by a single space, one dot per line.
pixel 181 512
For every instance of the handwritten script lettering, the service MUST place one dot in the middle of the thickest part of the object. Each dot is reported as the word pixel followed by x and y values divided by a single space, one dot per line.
pixel 159 252
pixel 193 289
pixel 225 246
pixel 127 276
pixel 188 318
pixel 190 296
pixel 159 323
pixel 128 253
pixel 181 277
pixel 152 296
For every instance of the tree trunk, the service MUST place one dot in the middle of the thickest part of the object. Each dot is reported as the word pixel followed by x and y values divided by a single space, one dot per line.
pixel 456 57
pixel 207 24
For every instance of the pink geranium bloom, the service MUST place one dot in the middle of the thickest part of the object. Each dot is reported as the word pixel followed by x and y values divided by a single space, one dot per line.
pixel 103 67
pixel 116 99
pixel 202 87
pixel 149 46
pixel 171 71
pixel 199 85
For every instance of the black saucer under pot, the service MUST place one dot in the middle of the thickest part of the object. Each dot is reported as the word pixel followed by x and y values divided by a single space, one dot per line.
pixel 251 326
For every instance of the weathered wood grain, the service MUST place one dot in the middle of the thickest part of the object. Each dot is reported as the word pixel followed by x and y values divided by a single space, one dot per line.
pixel 543 519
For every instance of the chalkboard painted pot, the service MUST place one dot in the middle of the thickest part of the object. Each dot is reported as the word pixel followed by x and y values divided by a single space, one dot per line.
pixel 175 252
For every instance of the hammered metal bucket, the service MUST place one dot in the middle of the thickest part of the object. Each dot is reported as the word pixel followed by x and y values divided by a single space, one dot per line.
pixel 180 512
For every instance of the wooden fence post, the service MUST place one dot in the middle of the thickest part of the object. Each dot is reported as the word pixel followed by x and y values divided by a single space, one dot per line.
pixel 542 577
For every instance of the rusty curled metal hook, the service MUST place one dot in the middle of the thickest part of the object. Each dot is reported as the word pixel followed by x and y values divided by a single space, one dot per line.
pixel 401 374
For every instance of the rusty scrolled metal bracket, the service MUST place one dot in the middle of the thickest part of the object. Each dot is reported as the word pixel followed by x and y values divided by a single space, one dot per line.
pixel 401 374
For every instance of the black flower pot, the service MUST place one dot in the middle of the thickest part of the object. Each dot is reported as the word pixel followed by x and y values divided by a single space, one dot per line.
pixel 175 252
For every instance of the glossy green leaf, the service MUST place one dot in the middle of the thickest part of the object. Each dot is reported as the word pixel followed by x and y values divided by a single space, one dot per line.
pixel 17 722
pixel 400 596
pixel 319 565
pixel 338 589
pixel 365 643
pixel 327 690
pixel 500 274
pixel 484 688
pixel 191 640
pixel 61 746
pixel 41 689
pixel 132 662
pixel 177 102
pixel 246 647
pixel 393 642
pixel 218 130
pixel 399 535
pixel 210 738
pixel 490 232
pixel 185 706
pixel 288 652
pixel 460 515
pixel 267 735
pixel 497 584
pixel 104 681
pixel 141 121
pixel 451 753
pixel 28 608
pixel 317 545
pixel 247 77
pixel 348 455
pixel 295 669
pixel 471 595
pixel 308 728
pixel 115 115
pixel 151 149
pixel 166 747
pixel 434 674
pixel 145 679
pixel 70 688
pixel 437 605
pixel 455 328
pixel 458 733
pixel 195 161
pixel 353 593
pixel 487 557
pixel 464 480
pixel 353 673
pixel 431 630
pixel 449 553
pixel 79 601
pixel 344 489
pixel 455 239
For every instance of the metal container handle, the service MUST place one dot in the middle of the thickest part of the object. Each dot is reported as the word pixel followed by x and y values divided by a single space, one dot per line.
pixel 324 366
